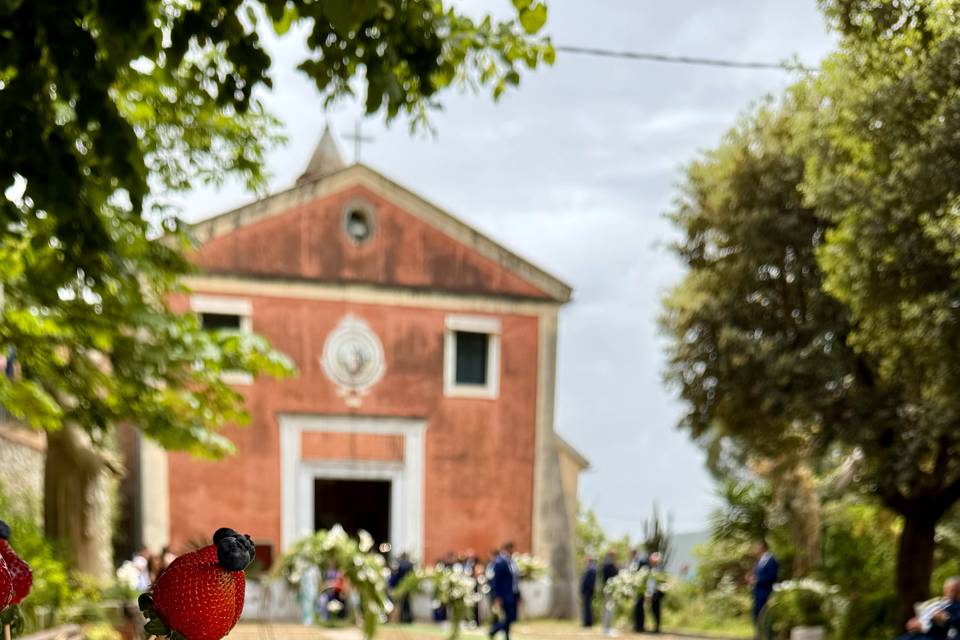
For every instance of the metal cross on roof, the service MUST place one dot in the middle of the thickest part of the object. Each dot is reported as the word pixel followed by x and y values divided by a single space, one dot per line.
pixel 358 139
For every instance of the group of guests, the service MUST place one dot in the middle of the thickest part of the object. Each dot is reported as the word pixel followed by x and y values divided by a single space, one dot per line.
pixel 651 595
pixel 762 577
pixel 149 565
pixel 497 579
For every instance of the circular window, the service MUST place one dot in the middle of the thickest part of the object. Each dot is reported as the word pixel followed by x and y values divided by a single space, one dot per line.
pixel 358 224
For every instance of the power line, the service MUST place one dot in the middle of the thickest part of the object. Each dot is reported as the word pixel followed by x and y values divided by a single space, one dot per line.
pixel 659 57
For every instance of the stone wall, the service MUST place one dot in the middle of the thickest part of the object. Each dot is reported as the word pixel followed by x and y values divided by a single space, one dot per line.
pixel 21 471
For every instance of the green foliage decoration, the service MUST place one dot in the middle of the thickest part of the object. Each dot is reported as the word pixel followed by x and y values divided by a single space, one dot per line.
pixel 364 568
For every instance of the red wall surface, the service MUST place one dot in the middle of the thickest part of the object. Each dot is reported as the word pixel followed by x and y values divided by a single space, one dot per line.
pixel 307 242
pixel 479 452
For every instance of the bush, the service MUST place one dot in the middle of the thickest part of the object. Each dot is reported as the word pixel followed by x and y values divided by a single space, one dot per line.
pixel 870 616
pixel 720 561
pixel 805 603
pixel 725 608
pixel 53 590
pixel 58 595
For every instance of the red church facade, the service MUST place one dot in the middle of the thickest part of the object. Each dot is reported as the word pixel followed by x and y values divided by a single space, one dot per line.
pixel 422 407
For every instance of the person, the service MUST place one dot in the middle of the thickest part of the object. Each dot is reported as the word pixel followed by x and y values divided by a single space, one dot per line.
pixel 638 562
pixel 332 594
pixel 154 566
pixel 765 574
pixel 608 570
pixel 588 584
pixel 939 619
pixel 472 567
pixel 403 568
pixel 167 557
pixel 308 592
pixel 141 560
pixel 505 588
pixel 652 593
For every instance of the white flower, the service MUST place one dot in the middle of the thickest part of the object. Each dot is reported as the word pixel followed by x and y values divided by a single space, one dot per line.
pixel 366 541
pixel 129 575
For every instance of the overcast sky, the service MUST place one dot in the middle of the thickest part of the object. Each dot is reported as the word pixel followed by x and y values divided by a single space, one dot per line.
pixel 574 171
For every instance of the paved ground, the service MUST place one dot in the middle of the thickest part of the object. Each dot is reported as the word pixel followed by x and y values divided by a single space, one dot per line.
pixel 523 631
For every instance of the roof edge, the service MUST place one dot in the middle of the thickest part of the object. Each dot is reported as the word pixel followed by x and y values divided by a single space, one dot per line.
pixel 446 222
pixel 578 457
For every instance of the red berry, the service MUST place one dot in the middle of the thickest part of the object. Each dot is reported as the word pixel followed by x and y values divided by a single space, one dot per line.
pixel 19 571
pixel 6 585
pixel 197 598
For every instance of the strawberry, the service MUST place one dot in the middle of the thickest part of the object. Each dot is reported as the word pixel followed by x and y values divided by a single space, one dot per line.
pixel 200 595
pixel 6 585
pixel 19 570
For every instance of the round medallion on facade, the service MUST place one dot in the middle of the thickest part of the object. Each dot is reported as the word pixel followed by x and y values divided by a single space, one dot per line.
pixel 353 358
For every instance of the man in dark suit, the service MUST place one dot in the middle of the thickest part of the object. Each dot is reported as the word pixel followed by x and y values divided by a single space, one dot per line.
pixel 588 585
pixel 403 568
pixel 652 592
pixel 765 574
pixel 638 562
pixel 505 588
pixel 938 619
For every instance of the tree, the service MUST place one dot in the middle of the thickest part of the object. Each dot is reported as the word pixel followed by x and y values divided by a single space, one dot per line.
pixel 591 540
pixel 882 164
pixel 819 312
pixel 757 348
pixel 105 106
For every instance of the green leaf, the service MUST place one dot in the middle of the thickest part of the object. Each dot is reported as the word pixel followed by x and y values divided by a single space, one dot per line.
pixel 549 54
pixel 290 15
pixel 156 627
pixel 532 19
pixel 347 15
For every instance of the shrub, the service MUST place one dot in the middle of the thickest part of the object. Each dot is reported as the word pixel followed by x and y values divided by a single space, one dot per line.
pixel 805 603
pixel 725 608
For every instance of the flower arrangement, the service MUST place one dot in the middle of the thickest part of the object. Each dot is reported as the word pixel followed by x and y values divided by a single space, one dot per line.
pixel 128 578
pixel 530 567
pixel 804 602
pixel 452 587
pixel 364 569
pixel 625 588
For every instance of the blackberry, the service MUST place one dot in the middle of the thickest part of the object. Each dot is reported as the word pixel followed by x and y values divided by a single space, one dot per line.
pixel 4 530
pixel 232 554
pixel 223 532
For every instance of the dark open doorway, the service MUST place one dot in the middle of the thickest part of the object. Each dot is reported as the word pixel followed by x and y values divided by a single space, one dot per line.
pixel 354 504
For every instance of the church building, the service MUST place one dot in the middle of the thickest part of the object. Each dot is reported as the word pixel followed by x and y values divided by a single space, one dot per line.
pixel 423 406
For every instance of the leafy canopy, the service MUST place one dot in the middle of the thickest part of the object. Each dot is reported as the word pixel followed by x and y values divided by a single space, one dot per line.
pixel 819 311
pixel 883 153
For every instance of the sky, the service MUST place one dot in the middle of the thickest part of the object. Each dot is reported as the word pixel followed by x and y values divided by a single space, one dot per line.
pixel 574 171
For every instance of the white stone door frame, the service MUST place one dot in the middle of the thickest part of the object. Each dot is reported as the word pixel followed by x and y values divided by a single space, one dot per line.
pixel 406 478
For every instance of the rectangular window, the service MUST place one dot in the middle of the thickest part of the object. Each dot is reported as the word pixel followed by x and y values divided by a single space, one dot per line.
pixel 212 321
pixel 471 360
pixel 263 555
pixel 219 313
